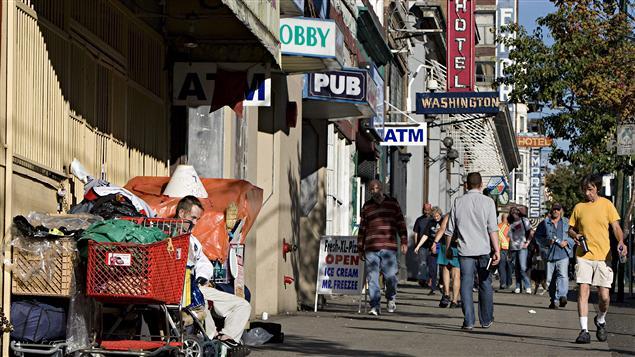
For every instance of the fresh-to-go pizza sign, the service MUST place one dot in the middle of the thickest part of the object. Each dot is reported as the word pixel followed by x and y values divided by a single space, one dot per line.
pixel 460 76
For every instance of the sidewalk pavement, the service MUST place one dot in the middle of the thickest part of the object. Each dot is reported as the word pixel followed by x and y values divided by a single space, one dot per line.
pixel 420 328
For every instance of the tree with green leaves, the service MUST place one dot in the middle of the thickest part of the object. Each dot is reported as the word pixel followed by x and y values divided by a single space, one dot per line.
pixel 563 185
pixel 584 81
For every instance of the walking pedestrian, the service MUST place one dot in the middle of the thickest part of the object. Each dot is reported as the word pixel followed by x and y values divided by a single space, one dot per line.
pixel 448 260
pixel 589 228
pixel 424 276
pixel 381 222
pixel 505 265
pixel 427 241
pixel 551 234
pixel 520 234
pixel 473 219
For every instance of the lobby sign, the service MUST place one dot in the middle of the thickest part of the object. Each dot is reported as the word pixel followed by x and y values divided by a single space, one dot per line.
pixel 457 103
pixel 415 135
pixel 309 37
pixel 460 42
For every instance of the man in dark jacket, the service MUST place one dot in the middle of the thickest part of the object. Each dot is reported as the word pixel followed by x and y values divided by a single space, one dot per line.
pixel 381 222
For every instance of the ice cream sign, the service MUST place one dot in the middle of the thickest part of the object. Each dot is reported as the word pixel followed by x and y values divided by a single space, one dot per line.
pixel 309 37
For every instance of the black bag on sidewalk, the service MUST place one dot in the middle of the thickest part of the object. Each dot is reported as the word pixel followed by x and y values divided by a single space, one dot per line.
pixel 36 322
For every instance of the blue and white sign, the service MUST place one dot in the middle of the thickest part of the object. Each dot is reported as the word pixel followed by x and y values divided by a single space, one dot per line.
pixel 505 15
pixel 194 83
pixel 415 135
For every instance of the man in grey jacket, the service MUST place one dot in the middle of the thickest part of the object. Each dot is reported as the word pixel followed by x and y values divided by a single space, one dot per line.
pixel 473 222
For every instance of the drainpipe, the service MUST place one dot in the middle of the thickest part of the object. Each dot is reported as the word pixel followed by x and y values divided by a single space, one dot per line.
pixel 10 10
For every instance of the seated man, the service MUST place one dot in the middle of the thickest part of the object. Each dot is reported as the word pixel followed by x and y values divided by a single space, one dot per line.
pixel 234 309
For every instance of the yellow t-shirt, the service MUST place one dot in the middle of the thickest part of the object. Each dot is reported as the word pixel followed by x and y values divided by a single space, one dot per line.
pixel 592 219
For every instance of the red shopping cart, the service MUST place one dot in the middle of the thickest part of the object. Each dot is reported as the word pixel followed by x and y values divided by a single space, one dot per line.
pixel 146 277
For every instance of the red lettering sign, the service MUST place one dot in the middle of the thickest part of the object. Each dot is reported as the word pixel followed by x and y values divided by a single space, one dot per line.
pixel 461 37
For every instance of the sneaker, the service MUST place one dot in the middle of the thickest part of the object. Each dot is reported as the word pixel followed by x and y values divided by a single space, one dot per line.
pixel 445 301
pixel 517 291
pixel 474 290
pixel 374 311
pixel 601 332
pixel 583 337
pixel 528 290
pixel 453 305
pixel 392 306
pixel 552 306
pixel 563 301
pixel 488 325
pixel 468 328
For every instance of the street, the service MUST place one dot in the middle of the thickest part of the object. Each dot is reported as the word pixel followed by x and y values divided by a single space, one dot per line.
pixel 421 328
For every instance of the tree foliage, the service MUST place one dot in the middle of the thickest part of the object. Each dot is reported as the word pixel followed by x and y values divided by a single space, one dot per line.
pixel 584 81
pixel 563 184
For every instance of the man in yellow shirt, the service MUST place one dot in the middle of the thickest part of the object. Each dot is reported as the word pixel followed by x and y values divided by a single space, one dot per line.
pixel 591 220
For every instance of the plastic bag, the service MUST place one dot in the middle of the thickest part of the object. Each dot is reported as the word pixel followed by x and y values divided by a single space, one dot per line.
pixel 256 337
pixel 46 251
pixel 81 315
pixel 71 222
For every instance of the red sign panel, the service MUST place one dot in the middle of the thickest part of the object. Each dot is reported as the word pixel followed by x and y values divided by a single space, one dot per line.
pixel 461 39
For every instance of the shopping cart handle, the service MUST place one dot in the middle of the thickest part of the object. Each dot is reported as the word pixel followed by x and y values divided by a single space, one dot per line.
pixel 16 346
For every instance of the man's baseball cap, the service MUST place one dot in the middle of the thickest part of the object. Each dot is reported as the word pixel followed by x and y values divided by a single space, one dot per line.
pixel 556 206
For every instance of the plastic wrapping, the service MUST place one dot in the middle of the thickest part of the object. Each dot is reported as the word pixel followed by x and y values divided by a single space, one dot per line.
pixel 82 316
pixel 71 222
pixel 37 257
pixel 256 337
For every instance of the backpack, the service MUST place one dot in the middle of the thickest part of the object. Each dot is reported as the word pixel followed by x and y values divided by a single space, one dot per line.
pixel 36 322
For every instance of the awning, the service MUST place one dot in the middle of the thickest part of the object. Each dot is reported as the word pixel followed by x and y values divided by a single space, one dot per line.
pixel 310 45
pixel 349 93
pixel 507 138
pixel 262 19
pixel 371 34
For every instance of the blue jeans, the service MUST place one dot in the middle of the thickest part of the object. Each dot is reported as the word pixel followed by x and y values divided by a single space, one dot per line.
pixel 559 287
pixel 519 261
pixel 433 271
pixel 505 269
pixel 470 266
pixel 386 262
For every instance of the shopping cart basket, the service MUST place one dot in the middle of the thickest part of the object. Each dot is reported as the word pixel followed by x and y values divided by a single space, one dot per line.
pixel 140 275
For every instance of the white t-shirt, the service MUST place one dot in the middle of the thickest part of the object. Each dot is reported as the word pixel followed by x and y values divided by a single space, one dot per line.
pixel 198 261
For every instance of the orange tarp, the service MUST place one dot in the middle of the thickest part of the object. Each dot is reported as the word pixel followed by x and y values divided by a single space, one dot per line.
pixel 210 230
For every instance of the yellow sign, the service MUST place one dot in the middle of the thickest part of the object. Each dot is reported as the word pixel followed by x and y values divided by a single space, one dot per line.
pixel 533 141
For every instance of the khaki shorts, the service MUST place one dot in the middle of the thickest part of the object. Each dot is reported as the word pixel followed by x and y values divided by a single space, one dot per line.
pixel 593 272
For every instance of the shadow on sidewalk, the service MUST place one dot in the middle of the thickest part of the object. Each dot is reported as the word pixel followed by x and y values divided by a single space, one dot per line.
pixel 302 345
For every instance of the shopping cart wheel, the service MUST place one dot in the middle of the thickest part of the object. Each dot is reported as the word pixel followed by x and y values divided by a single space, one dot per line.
pixel 194 346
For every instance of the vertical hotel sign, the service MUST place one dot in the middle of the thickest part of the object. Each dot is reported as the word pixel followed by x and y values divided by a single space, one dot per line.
pixel 460 46
pixel 505 16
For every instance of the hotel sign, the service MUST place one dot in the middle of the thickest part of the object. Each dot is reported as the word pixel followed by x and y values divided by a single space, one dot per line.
pixel 533 141
pixel 460 41
pixel 457 103
pixel 535 184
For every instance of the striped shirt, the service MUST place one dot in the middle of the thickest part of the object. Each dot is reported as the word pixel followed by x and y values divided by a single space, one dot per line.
pixel 380 224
